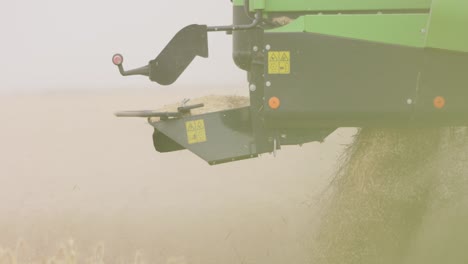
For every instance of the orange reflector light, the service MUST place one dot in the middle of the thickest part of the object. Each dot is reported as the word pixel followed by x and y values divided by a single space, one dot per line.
pixel 439 102
pixel 274 103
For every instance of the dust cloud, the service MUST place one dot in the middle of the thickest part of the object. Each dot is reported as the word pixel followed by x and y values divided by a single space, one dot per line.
pixel 84 186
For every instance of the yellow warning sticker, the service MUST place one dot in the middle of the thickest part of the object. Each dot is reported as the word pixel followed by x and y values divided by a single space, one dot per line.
pixel 196 132
pixel 279 62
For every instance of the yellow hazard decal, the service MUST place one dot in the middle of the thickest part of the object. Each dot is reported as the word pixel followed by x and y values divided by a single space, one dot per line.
pixel 279 62
pixel 196 132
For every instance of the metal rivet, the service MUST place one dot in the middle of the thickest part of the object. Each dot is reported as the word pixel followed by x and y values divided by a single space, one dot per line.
pixel 423 30
pixel 409 101
pixel 268 47
pixel 268 84
pixel 252 87
pixel 255 48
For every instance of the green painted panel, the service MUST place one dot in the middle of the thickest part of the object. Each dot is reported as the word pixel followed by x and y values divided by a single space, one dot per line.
pixel 238 2
pixel 398 29
pixel 343 5
pixel 258 4
pixel 448 25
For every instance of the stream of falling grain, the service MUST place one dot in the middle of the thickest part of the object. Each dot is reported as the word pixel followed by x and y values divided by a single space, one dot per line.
pixel 400 197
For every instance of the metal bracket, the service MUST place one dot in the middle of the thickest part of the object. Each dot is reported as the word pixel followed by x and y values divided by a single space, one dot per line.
pixel 181 111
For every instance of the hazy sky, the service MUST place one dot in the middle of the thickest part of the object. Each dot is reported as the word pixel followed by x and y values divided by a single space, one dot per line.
pixel 61 44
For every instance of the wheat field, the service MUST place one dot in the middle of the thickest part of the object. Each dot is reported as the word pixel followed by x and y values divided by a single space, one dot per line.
pixel 79 185
pixel 67 253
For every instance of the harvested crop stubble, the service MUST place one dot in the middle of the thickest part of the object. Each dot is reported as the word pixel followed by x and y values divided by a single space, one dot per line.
pixel 400 197
pixel 212 103
pixel 67 253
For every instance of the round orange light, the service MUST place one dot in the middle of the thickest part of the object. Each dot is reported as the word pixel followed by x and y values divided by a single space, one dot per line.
pixel 439 102
pixel 274 103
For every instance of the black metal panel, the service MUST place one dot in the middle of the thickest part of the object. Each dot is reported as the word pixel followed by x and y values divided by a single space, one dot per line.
pixel 244 40
pixel 229 136
pixel 341 82
pixel 165 144
pixel 301 136
pixel 445 74
pixel 188 43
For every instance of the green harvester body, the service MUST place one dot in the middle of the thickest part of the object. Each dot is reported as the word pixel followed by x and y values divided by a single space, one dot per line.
pixel 316 65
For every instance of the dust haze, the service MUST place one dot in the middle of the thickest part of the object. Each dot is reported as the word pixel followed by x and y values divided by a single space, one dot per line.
pixel 71 170
pixel 78 185
pixel 65 45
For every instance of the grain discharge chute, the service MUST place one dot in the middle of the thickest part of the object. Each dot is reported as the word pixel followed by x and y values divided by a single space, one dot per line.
pixel 316 65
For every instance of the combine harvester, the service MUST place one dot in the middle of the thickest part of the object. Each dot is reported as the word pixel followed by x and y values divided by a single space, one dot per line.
pixel 316 65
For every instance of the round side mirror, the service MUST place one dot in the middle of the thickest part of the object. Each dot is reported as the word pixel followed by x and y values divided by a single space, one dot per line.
pixel 117 59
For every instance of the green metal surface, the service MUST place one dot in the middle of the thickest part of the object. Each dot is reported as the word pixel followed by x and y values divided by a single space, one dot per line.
pixel 238 2
pixel 343 5
pixel 258 4
pixel 448 23
pixel 398 29
pixel 444 28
